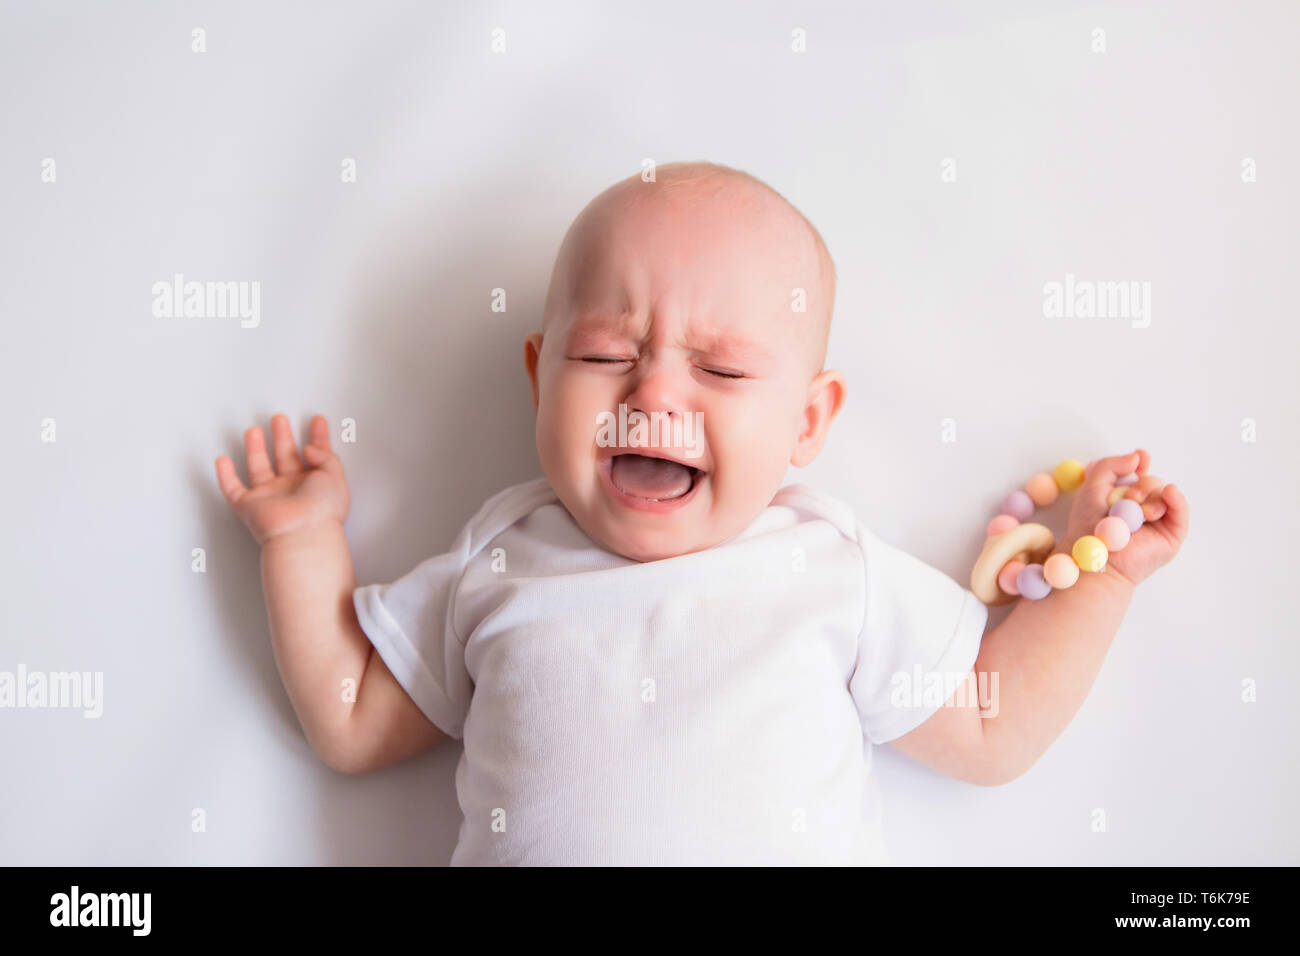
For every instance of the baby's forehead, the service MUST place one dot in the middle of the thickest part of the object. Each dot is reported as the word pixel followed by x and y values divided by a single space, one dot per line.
pixel 646 245
pixel 735 214
pixel 732 257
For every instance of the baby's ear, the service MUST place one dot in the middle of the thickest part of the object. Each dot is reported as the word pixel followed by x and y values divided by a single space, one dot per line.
pixel 826 393
pixel 532 349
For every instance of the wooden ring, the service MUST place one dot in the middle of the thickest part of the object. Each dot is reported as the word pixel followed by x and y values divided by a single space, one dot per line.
pixel 1032 543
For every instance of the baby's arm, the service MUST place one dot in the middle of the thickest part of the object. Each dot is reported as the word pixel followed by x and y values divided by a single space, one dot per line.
pixel 1047 653
pixel 297 517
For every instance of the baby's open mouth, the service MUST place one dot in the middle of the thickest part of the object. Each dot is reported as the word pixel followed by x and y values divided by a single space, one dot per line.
pixel 654 479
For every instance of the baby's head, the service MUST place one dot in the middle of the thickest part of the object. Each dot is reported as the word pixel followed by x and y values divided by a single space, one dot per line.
pixel 700 303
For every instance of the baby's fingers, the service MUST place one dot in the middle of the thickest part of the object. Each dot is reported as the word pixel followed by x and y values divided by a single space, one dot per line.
pixel 1147 493
pixel 1104 472
pixel 286 452
pixel 318 453
pixel 1175 518
pixel 325 461
pixel 320 432
pixel 1099 484
pixel 259 466
pixel 228 481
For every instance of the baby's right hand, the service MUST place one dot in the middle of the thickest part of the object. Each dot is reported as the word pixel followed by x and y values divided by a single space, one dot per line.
pixel 295 498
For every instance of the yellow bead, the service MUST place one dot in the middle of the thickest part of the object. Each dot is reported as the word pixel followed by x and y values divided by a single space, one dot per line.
pixel 1089 553
pixel 1068 475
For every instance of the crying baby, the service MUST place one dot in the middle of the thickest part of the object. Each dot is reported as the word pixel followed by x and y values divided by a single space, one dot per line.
pixel 658 652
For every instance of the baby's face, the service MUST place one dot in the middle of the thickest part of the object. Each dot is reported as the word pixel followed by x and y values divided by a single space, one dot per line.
pixel 681 308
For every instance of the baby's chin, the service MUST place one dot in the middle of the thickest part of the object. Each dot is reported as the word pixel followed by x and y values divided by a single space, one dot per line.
pixel 646 530
pixel 651 537
pixel 643 547
pixel 641 536
pixel 644 535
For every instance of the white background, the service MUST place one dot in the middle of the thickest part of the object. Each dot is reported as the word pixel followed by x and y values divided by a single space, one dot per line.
pixel 1122 165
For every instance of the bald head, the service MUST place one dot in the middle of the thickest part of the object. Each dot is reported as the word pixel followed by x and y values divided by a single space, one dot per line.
pixel 721 192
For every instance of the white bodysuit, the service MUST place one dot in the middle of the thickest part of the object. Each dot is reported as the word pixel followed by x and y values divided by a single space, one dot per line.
pixel 714 708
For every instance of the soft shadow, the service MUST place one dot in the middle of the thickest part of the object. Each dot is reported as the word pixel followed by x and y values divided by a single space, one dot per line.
pixel 234 569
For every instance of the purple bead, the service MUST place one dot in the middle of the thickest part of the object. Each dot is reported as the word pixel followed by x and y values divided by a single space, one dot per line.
pixel 1130 511
pixel 1031 583
pixel 1018 504
pixel 1127 480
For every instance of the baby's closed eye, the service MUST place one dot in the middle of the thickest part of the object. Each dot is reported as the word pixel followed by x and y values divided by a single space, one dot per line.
pixel 614 360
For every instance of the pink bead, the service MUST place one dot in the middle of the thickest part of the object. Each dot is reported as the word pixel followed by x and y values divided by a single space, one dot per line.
pixel 1042 489
pixel 1060 571
pixel 1007 577
pixel 1001 523
pixel 1113 532
pixel 1019 505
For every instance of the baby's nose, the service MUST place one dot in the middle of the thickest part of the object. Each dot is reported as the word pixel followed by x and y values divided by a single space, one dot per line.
pixel 657 388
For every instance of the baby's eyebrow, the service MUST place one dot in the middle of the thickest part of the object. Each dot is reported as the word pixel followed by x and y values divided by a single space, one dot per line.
pixel 616 325
pixel 720 344
pixel 731 346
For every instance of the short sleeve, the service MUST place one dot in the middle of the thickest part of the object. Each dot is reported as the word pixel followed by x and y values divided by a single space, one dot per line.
pixel 409 623
pixel 920 636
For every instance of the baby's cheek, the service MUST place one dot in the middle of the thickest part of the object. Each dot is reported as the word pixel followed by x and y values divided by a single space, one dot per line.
pixel 555 443
pixel 569 419
pixel 749 467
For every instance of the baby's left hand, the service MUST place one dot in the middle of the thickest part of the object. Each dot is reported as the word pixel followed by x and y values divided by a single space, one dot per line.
pixel 1163 506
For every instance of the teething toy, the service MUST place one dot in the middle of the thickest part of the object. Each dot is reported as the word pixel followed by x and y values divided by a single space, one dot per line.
pixel 1015 561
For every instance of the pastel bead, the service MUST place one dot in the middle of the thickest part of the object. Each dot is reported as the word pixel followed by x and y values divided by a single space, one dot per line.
pixel 1090 553
pixel 1042 489
pixel 1008 575
pixel 1019 505
pixel 1008 567
pixel 1027 542
pixel 1068 475
pixel 1002 523
pixel 1130 511
pixel 1060 571
pixel 1031 583
pixel 1113 532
